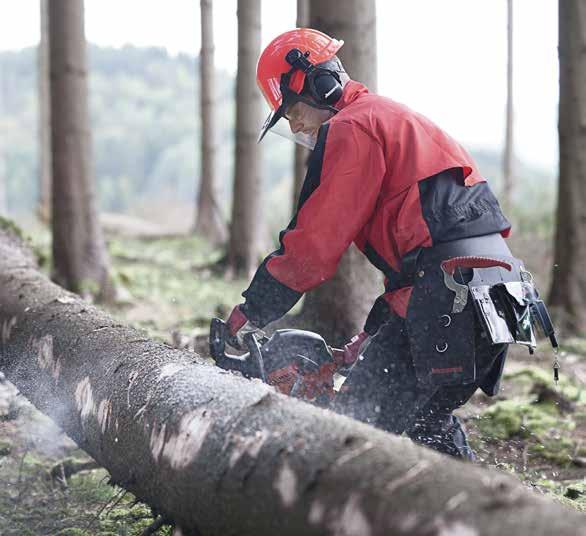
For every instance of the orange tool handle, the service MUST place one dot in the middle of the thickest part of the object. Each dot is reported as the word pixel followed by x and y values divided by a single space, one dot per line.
pixel 450 265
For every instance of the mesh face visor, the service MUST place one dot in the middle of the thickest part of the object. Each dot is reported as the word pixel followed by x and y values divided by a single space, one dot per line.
pixel 282 129
pixel 289 97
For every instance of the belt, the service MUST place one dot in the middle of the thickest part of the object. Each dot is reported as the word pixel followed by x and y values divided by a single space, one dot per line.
pixel 492 245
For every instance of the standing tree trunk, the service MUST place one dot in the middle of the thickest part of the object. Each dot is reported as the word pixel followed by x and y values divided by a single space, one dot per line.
pixel 80 260
pixel 339 308
pixel 568 290
pixel 508 156
pixel 209 222
pixel 301 153
pixel 246 225
pixel 3 204
pixel 44 208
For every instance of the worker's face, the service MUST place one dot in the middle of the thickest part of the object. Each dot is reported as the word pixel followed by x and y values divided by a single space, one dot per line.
pixel 306 119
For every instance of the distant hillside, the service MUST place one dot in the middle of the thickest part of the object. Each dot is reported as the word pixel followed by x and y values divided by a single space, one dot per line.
pixel 145 126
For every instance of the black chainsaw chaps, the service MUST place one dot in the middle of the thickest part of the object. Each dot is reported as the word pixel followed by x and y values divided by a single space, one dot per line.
pixel 442 343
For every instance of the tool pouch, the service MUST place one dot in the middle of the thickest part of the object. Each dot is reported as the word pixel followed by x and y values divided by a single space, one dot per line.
pixel 499 302
pixel 508 305
pixel 442 343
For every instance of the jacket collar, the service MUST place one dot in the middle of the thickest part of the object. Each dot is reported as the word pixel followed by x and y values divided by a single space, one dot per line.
pixel 352 91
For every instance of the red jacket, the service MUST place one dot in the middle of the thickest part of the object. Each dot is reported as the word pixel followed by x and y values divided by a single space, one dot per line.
pixel 377 177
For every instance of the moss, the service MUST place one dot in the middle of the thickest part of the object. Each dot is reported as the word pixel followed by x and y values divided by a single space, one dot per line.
pixel 558 450
pixel 576 490
pixel 533 377
pixel 517 418
pixel 5 448
pixel 570 493
pixel 10 226
pixel 172 284
pixel 574 345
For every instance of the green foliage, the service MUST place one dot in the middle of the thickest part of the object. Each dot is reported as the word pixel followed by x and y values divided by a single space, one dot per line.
pixel 571 493
pixel 532 379
pixel 5 448
pixel 574 345
pixel 517 418
pixel 544 424
pixel 10 226
pixel 145 127
pixel 172 284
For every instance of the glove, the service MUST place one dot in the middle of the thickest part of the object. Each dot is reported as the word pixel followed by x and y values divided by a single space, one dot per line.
pixel 352 350
pixel 238 326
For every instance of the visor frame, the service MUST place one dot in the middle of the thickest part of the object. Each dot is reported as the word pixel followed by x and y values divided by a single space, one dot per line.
pixel 289 98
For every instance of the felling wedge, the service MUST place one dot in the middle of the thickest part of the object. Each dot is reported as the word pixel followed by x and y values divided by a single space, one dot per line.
pixel 219 454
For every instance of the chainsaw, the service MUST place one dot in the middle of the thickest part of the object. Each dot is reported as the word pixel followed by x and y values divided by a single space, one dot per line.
pixel 297 363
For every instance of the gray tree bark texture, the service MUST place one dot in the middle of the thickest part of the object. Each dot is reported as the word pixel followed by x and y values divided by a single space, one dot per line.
pixel 338 308
pixel 80 260
pixel 3 204
pixel 301 153
pixel 568 290
pixel 222 455
pixel 45 166
pixel 209 222
pixel 508 154
pixel 246 226
pixel 3 178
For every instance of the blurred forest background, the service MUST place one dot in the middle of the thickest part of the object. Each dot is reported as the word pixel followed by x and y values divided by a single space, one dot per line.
pixel 146 127
pixel 145 124
pixel 166 206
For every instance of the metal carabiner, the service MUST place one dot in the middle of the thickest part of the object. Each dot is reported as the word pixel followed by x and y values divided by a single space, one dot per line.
pixel 443 349
pixel 449 320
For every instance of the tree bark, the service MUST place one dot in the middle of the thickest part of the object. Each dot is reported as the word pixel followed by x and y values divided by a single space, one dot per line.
pixel 568 290
pixel 508 154
pixel 246 224
pixel 44 208
pixel 218 454
pixel 339 308
pixel 3 203
pixel 3 178
pixel 301 153
pixel 80 260
pixel 209 222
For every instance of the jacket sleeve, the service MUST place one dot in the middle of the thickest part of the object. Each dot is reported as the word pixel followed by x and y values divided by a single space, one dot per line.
pixel 339 194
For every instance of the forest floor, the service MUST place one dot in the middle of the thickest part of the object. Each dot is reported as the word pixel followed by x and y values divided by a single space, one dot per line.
pixel 169 289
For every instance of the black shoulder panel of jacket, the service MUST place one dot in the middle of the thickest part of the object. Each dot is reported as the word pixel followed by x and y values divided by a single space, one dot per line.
pixel 453 211
pixel 266 298
pixel 314 165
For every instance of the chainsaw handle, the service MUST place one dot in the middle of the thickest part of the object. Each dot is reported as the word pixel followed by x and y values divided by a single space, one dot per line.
pixel 217 340
pixel 449 266
pixel 255 356
pixel 250 365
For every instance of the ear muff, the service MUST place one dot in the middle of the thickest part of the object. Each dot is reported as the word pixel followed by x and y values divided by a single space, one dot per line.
pixel 324 86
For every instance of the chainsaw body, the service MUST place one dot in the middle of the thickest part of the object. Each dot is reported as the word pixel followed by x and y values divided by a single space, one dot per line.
pixel 296 362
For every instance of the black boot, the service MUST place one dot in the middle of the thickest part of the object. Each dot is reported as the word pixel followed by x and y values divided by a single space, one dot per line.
pixel 443 433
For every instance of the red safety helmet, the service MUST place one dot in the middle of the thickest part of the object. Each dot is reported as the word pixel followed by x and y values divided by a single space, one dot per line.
pixel 284 65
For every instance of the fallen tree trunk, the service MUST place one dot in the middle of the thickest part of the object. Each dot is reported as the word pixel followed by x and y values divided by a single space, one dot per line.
pixel 218 454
